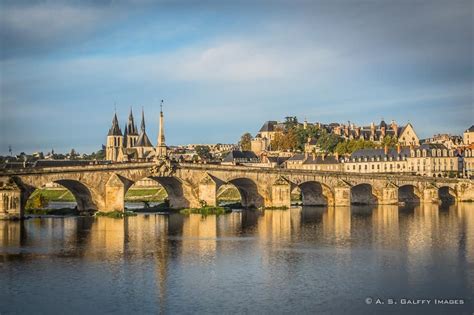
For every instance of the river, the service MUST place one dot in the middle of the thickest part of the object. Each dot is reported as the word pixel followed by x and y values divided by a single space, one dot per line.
pixel 303 260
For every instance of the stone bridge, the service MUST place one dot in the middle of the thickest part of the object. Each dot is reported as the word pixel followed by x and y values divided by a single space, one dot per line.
pixel 103 187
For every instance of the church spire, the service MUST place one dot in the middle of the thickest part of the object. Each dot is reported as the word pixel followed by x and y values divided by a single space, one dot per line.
pixel 161 149
pixel 115 129
pixel 142 126
pixel 161 133
pixel 131 127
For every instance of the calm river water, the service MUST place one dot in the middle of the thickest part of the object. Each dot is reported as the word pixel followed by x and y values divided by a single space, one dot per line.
pixel 310 260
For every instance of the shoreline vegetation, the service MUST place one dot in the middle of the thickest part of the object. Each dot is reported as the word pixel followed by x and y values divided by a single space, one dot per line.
pixel 206 210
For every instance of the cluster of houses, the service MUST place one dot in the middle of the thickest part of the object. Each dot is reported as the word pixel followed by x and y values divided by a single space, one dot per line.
pixel 441 156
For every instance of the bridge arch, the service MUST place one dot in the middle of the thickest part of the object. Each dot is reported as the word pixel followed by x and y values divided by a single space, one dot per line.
pixel 314 193
pixel 179 193
pixel 363 194
pixel 447 195
pixel 249 192
pixel 228 194
pixel 409 194
pixel 82 194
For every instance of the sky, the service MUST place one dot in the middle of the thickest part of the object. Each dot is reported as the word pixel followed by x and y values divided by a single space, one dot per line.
pixel 225 67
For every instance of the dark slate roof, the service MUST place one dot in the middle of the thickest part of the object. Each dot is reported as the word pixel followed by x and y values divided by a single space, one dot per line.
pixel 297 157
pixel 61 163
pixel 143 140
pixel 330 159
pixel 471 129
pixel 235 154
pixel 15 165
pixel 430 146
pixel 369 153
pixel 269 126
pixel 277 159
pixel 115 129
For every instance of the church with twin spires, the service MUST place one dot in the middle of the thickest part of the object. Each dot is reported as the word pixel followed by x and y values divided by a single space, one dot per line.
pixel 133 145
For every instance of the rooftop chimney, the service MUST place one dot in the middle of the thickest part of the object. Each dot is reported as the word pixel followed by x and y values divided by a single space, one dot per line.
pixel 385 149
pixel 399 148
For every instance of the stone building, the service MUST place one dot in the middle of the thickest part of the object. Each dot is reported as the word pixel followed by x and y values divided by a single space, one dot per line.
pixel 449 141
pixel 133 145
pixel 265 135
pixel 237 157
pixel 406 135
pixel 384 160
pixel 426 160
pixel 468 136
pixel 312 161
pixel 469 161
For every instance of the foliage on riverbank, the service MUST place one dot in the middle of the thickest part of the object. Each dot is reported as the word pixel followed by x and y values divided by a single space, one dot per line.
pixel 151 209
pixel 115 214
pixel 276 208
pixel 61 211
pixel 206 210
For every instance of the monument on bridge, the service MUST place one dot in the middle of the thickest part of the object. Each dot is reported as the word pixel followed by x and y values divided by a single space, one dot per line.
pixel 161 149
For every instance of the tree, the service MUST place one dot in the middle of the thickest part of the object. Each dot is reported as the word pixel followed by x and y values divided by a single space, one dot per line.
pixel 204 152
pixel 290 122
pixel 350 146
pixel 245 142
pixel 37 201
pixel 389 141
pixel 285 141
pixel 328 141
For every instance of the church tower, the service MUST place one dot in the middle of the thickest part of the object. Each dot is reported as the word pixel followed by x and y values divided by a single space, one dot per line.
pixel 131 133
pixel 114 141
pixel 143 144
pixel 161 149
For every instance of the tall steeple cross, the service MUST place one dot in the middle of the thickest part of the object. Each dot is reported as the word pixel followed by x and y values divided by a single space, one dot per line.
pixel 161 106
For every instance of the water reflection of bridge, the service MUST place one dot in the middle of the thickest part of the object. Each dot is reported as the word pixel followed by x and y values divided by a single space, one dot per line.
pixel 413 234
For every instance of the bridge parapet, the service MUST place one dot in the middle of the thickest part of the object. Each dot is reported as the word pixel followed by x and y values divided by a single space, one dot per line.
pixel 102 187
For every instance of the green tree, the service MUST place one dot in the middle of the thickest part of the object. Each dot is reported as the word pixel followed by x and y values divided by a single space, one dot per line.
pixel 245 142
pixel 389 141
pixel 204 152
pixel 290 122
pixel 37 201
pixel 328 141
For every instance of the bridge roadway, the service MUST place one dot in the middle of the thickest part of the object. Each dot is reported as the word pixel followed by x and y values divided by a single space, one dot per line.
pixel 103 187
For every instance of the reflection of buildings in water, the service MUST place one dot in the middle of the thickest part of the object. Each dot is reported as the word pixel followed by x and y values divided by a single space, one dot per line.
pixel 11 234
pixel 337 224
pixel 279 225
pixel 420 231
pixel 385 226
pixel 107 238
pixel 230 224
pixel 144 231
pixel 199 236
pixel 464 213
pixel 312 214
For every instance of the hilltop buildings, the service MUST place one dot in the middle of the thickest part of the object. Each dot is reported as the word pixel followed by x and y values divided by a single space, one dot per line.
pixel 406 134
pixel 468 136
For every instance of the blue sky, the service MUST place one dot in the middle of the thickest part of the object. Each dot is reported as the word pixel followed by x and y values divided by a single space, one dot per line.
pixel 223 68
